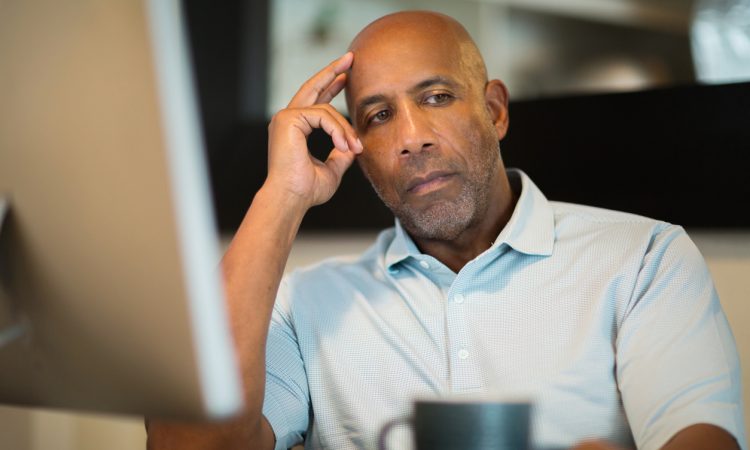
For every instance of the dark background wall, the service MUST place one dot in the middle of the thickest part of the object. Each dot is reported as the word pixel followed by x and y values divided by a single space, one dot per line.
pixel 680 154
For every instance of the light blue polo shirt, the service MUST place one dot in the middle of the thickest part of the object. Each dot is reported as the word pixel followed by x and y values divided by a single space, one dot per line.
pixel 609 321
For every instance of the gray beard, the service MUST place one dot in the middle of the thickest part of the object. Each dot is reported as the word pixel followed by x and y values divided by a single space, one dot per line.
pixel 446 220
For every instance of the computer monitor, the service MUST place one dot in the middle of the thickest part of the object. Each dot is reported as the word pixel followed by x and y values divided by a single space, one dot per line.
pixel 111 296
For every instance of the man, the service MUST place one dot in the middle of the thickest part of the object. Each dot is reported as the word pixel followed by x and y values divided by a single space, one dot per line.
pixel 610 320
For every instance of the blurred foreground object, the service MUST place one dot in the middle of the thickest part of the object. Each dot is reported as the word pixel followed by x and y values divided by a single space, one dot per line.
pixel 110 299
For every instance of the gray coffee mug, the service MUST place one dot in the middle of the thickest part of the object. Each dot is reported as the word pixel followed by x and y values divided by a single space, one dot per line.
pixel 466 425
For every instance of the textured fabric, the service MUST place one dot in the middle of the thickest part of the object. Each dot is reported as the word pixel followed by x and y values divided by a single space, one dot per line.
pixel 609 321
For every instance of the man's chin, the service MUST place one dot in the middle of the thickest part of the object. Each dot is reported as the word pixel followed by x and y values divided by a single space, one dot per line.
pixel 440 220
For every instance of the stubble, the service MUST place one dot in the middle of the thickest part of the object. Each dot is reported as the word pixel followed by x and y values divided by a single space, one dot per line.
pixel 446 219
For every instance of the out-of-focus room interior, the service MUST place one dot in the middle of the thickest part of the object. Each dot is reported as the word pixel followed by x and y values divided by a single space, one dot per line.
pixel 626 104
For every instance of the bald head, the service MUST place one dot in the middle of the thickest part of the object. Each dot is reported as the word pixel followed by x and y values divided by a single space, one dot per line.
pixel 410 34
pixel 404 27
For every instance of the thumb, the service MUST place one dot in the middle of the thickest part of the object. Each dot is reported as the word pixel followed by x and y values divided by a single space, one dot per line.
pixel 338 162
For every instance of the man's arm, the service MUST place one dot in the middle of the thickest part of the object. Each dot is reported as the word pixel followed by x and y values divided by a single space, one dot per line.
pixel 700 436
pixel 254 263
pixel 678 368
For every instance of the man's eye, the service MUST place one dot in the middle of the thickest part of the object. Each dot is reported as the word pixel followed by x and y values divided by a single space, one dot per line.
pixel 380 116
pixel 438 99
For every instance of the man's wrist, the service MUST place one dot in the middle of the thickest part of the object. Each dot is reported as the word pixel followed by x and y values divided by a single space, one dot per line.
pixel 286 200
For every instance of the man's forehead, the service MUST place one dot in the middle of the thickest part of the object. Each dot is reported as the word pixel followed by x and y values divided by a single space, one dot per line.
pixel 400 64
pixel 396 82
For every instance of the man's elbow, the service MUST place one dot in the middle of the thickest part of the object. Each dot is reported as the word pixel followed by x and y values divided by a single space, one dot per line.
pixel 702 436
pixel 239 434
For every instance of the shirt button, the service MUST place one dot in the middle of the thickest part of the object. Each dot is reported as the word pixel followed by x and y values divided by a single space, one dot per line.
pixel 458 298
pixel 424 264
pixel 463 353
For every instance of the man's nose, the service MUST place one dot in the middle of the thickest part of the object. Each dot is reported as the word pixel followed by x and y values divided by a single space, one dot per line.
pixel 414 130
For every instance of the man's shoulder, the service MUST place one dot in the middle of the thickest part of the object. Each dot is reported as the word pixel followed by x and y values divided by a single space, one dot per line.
pixel 603 216
pixel 611 229
pixel 338 268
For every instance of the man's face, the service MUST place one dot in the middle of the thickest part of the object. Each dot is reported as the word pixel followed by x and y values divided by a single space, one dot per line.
pixel 431 148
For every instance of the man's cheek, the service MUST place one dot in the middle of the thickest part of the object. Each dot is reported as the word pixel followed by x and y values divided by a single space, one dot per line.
pixel 372 175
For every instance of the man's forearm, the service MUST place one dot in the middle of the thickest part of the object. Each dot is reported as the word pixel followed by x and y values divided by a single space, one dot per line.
pixel 252 266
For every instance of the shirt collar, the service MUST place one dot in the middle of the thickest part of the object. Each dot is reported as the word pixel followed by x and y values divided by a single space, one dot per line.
pixel 401 247
pixel 530 230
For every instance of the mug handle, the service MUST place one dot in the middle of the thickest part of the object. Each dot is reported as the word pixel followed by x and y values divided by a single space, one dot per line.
pixel 388 427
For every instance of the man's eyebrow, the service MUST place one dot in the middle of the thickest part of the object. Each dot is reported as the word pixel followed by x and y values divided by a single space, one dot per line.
pixel 429 82
pixel 367 101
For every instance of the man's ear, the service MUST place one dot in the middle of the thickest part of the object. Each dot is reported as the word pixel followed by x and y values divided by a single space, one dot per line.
pixel 496 99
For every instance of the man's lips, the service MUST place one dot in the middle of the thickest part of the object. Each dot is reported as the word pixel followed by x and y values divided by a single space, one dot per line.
pixel 432 180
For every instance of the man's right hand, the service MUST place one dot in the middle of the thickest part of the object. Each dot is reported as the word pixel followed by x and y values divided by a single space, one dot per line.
pixel 291 167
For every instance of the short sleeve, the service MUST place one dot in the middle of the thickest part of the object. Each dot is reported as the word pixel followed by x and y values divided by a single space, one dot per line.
pixel 677 364
pixel 286 404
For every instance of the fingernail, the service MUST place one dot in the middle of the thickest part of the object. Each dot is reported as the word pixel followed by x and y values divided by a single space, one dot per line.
pixel 361 147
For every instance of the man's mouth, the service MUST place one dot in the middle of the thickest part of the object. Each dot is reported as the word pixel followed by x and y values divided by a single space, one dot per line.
pixel 428 183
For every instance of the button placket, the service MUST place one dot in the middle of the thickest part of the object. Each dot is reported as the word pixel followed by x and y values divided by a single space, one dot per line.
pixel 465 369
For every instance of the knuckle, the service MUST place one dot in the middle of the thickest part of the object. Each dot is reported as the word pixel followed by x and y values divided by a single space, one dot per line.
pixel 324 112
pixel 274 120
pixel 323 108
pixel 281 115
pixel 329 110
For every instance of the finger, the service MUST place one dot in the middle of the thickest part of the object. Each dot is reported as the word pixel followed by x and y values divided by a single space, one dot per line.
pixel 354 143
pixel 311 91
pixel 324 119
pixel 339 163
pixel 333 89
